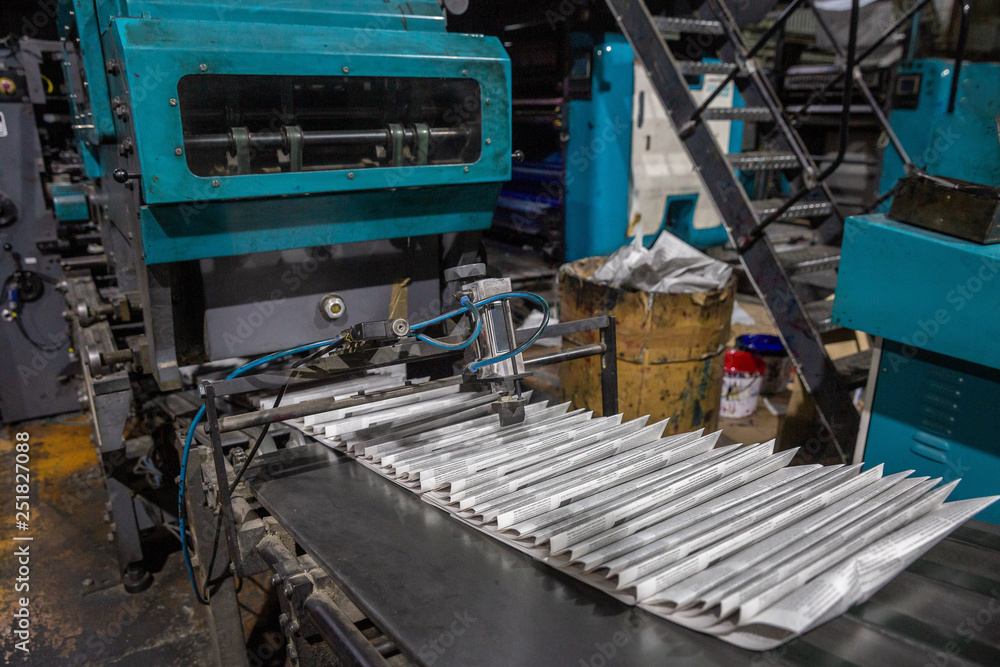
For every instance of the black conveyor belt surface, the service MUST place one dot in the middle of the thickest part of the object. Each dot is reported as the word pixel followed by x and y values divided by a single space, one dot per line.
pixel 450 595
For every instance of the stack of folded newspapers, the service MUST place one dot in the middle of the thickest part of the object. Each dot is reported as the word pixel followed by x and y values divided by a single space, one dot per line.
pixel 732 541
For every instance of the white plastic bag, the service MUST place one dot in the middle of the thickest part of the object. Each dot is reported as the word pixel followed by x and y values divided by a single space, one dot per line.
pixel 669 266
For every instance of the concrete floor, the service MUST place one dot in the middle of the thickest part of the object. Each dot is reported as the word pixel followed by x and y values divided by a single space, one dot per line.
pixel 80 614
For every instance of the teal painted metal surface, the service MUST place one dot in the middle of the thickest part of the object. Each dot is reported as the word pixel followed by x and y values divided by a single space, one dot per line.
pixel 70 202
pixel 599 153
pixel 219 229
pixel 83 14
pixel 156 54
pixel 414 15
pixel 937 415
pixel 919 288
pixel 935 300
pixel 963 144
pixel 597 178
pixel 679 221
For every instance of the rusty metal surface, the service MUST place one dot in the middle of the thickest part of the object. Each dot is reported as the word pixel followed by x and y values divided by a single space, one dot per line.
pixel 670 349
pixel 958 208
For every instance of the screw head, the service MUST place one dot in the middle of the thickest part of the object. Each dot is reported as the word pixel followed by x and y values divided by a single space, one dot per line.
pixel 466 170
pixel 350 175
pixel 173 101
pixel 489 141
pixel 346 70
pixel 178 151
pixel 487 101
pixel 465 72
pixel 215 184
pixel 203 67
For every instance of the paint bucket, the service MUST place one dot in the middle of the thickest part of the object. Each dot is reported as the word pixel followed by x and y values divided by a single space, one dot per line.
pixel 741 382
pixel 770 349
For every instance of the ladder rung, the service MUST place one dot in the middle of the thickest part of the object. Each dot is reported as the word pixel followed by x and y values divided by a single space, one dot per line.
pixel 761 160
pixel 697 68
pixel 809 209
pixel 738 113
pixel 678 24
pixel 810 259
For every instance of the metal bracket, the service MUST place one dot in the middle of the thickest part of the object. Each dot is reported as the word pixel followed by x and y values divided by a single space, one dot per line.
pixel 293 134
pixel 396 143
pixel 423 141
pixel 241 148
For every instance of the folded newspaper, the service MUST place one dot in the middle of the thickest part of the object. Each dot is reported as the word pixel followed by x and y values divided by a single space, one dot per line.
pixel 731 541
pixel 670 265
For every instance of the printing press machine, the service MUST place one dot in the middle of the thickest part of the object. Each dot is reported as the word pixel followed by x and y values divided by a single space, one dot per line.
pixel 269 175
pixel 349 550
pixel 262 176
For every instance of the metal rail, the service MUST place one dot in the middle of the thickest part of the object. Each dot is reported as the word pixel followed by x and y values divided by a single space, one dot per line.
pixel 271 140
pixel 356 360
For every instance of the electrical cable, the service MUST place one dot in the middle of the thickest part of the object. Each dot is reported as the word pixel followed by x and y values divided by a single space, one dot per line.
pixel 476 365
pixel 181 507
pixel 277 401
pixel 477 318
pixel 17 307
pixel 467 306
pixel 41 347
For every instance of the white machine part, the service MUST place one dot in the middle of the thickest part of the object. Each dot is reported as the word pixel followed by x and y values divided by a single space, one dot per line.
pixel 661 167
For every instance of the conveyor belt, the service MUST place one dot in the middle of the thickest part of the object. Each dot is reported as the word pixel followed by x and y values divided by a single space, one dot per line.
pixel 450 595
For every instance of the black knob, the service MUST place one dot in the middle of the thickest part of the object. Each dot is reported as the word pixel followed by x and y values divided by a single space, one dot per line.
pixel 517 156
pixel 123 176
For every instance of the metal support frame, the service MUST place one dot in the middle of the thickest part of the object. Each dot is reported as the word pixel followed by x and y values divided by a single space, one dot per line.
pixel 306 597
pixel 762 265
pixel 222 475
pixel 342 363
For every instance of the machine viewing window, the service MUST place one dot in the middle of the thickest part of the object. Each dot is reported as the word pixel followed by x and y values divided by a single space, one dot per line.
pixel 248 124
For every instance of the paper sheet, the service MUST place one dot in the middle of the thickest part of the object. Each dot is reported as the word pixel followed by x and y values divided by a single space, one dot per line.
pixel 731 541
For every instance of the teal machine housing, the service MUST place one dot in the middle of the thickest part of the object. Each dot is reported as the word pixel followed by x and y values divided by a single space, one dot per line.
pixel 598 160
pixel 933 396
pixel 219 131
pixel 962 144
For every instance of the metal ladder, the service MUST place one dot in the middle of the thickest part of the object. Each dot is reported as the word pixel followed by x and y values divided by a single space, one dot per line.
pixel 745 219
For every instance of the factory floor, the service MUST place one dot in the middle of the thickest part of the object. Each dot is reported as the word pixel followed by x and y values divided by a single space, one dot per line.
pixel 80 614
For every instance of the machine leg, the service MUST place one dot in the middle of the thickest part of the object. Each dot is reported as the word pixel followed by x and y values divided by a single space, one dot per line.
pixel 213 556
pixel 110 405
pixel 135 577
